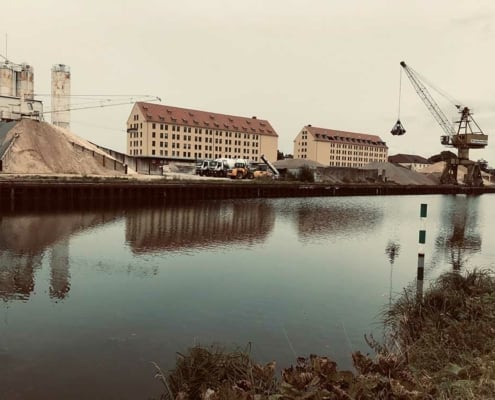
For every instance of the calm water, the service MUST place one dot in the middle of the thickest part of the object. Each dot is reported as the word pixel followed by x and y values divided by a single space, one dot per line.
pixel 90 299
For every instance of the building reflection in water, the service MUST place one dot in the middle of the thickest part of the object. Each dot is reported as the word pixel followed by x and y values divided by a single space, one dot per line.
pixel 200 225
pixel 459 237
pixel 321 220
pixel 25 239
pixel 59 267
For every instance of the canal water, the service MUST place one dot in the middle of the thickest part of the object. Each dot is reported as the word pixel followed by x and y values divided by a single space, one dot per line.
pixel 90 298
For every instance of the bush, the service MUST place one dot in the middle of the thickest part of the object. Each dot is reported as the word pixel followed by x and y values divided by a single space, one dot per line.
pixel 306 174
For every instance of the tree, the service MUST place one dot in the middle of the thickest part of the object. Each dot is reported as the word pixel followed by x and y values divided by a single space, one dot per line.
pixel 306 174
pixel 280 155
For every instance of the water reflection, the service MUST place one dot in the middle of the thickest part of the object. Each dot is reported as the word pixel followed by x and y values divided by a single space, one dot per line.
pixel 459 238
pixel 17 275
pixel 209 224
pixel 392 251
pixel 320 219
pixel 24 240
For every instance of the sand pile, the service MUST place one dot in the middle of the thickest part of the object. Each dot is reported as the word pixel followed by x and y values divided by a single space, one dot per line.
pixel 401 175
pixel 42 148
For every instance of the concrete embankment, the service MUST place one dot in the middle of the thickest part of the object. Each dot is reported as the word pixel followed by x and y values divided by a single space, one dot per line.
pixel 81 192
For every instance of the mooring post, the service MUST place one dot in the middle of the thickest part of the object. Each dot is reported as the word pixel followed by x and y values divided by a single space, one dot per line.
pixel 421 249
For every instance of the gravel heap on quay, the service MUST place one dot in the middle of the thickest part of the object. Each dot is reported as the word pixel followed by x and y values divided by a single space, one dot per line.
pixel 42 148
pixel 401 175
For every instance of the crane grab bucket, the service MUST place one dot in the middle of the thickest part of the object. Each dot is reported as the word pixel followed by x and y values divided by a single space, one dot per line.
pixel 398 129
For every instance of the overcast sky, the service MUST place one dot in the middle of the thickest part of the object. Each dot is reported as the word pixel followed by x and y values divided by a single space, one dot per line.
pixel 329 63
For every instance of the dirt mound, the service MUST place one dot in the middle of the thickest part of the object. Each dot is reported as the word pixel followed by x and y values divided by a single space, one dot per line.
pixel 401 175
pixel 42 148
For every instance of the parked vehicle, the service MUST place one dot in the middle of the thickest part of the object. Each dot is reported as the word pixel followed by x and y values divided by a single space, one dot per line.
pixel 206 168
pixel 274 170
pixel 259 170
pixel 199 165
pixel 240 170
pixel 223 166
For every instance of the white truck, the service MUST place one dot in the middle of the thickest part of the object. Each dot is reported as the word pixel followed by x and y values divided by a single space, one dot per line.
pixel 223 165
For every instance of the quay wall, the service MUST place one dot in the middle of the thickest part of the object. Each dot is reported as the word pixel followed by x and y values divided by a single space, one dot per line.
pixel 53 193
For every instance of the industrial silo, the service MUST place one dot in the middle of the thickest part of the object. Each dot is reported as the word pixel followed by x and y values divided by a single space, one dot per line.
pixel 25 82
pixel 7 85
pixel 61 95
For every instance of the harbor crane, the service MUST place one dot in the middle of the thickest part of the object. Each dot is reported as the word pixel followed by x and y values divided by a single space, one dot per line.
pixel 464 135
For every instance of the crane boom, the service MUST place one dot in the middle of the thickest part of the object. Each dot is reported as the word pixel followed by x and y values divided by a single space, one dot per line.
pixel 430 103
pixel 468 135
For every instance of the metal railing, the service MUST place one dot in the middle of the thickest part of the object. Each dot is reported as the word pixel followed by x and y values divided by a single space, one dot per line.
pixel 107 162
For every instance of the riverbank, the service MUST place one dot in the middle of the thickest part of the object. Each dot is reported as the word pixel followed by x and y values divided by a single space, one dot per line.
pixel 440 346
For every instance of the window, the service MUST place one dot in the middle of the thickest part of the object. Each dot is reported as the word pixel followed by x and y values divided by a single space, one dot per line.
pixel 153 134
pixel 153 126
pixel 153 143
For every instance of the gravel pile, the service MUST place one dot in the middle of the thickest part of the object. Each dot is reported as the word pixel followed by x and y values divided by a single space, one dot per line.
pixel 401 175
pixel 42 148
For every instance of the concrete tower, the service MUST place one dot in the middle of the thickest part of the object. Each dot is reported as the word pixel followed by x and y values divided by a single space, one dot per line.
pixel 6 79
pixel 25 82
pixel 61 95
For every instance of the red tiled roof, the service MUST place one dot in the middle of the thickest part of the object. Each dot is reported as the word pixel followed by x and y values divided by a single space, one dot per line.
pixel 203 119
pixel 332 135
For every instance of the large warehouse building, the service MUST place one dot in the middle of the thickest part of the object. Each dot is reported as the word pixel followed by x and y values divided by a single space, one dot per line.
pixel 339 148
pixel 180 133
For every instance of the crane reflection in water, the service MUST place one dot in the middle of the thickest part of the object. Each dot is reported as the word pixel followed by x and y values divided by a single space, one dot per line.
pixel 459 238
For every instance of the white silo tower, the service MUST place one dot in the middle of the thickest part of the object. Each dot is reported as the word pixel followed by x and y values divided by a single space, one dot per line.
pixel 61 95
pixel 26 82
pixel 6 79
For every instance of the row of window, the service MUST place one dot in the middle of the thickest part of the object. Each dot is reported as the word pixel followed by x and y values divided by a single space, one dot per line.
pixel 345 164
pixel 350 146
pixel 359 153
pixel 187 154
pixel 187 146
pixel 187 129
pixel 207 140
pixel 356 159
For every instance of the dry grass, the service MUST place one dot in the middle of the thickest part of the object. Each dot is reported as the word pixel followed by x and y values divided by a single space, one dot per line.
pixel 440 347
pixel 449 335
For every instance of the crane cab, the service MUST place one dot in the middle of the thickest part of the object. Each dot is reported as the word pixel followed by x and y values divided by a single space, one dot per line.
pixel 445 140
pixel 470 140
